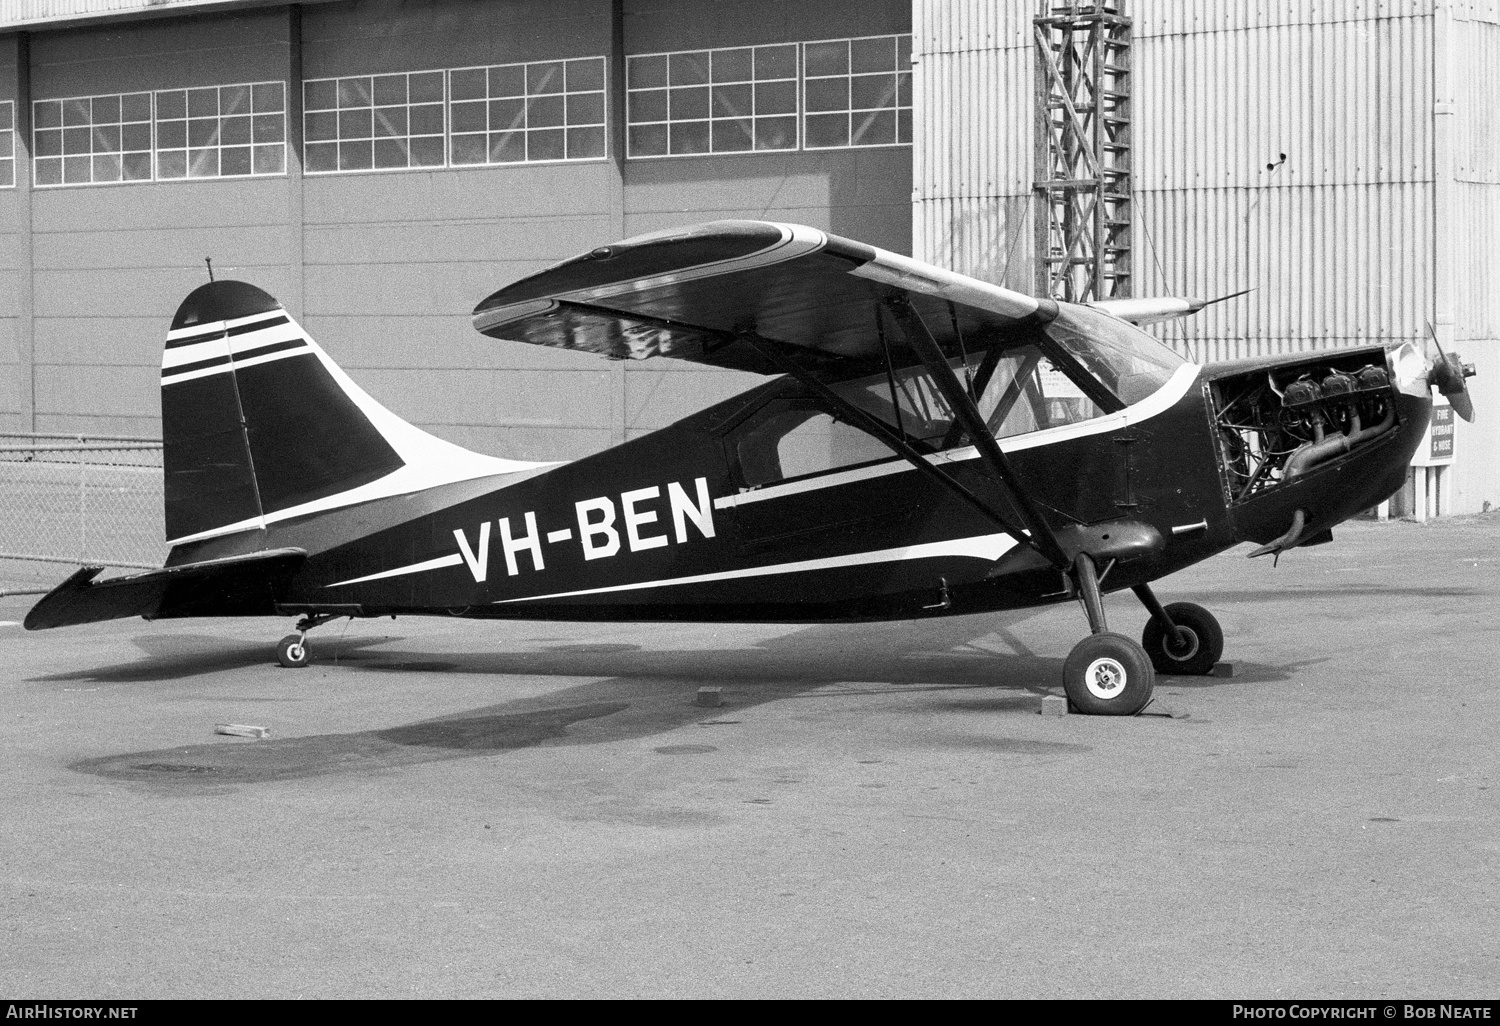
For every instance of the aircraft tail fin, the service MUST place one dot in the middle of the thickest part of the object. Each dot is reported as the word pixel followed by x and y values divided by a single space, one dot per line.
pixel 259 423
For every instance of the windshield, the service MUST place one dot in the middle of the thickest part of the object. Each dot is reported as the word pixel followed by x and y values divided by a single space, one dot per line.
pixel 1082 365
pixel 1129 362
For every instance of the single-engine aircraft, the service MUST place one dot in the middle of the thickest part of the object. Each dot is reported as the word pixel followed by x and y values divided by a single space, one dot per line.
pixel 928 445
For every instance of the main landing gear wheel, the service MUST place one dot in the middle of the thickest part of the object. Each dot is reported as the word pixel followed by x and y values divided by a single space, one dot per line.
pixel 292 651
pixel 1108 675
pixel 1197 654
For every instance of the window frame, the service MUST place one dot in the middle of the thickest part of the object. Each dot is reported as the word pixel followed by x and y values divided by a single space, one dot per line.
pixel 849 75
pixel 9 161
pixel 526 98
pixel 337 109
pixel 38 159
pixel 187 120
pixel 155 149
pixel 795 114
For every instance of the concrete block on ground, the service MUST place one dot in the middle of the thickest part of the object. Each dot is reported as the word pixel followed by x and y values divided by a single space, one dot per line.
pixel 241 730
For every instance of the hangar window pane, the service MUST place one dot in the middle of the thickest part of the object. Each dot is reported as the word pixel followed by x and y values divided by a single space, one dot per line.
pixel 527 113
pixel 88 140
pixel 731 100
pixel 208 132
pixel 372 122
pixel 7 144
pixel 857 92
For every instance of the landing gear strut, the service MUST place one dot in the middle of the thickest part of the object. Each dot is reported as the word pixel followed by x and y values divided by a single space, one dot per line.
pixel 1106 674
pixel 292 651
pixel 1109 674
pixel 1183 638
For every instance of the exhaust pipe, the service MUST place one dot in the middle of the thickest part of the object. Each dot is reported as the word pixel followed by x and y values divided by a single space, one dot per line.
pixel 1315 454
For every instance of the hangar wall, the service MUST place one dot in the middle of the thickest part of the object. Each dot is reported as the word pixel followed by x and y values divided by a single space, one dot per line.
pixel 1382 216
pixel 383 266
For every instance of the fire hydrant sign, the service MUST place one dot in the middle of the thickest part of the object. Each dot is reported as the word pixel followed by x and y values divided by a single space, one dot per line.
pixel 1436 449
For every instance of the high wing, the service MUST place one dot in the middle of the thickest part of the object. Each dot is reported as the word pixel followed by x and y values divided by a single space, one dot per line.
pixel 780 298
pixel 690 293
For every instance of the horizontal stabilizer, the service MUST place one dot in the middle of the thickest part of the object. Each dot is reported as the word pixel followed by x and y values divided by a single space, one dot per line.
pixel 1152 309
pixel 237 586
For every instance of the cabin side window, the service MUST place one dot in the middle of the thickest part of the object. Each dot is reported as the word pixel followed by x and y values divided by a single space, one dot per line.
pixel 1018 390
pixel 789 440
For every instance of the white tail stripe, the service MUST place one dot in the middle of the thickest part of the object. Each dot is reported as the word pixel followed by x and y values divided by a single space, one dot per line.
pixel 237 344
pixel 210 327
pixel 226 367
pixel 429 461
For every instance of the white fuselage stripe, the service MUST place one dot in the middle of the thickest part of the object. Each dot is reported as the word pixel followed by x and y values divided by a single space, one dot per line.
pixel 988 547
pixel 401 571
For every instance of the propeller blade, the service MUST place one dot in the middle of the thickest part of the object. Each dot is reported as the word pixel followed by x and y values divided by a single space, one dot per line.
pixel 1448 372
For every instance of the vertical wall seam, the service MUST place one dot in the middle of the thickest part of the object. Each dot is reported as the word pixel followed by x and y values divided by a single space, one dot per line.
pixel 296 229
pixel 26 314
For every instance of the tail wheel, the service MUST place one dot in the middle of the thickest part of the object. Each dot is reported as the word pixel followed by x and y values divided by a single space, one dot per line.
pixel 1108 675
pixel 292 651
pixel 1197 654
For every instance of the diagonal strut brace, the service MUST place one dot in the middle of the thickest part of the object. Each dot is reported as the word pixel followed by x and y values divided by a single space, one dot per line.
pixel 926 348
pixel 874 426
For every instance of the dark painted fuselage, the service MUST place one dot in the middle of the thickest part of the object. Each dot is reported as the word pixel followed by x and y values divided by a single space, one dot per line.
pixel 666 527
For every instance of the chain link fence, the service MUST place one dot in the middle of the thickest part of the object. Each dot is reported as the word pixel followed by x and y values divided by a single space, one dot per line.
pixel 81 499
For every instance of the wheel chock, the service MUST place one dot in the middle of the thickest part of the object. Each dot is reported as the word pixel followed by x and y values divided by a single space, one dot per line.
pixel 1222 670
pixel 1054 705
pixel 710 698
pixel 241 730
pixel 1156 707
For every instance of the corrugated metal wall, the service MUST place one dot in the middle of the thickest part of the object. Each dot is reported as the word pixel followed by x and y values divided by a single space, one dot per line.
pixel 1343 241
pixel 1473 233
pixel 21 13
pixel 1335 240
pixel 972 88
pixel 1477 172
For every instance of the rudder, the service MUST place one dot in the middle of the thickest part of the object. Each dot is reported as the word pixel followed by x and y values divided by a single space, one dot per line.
pixel 253 419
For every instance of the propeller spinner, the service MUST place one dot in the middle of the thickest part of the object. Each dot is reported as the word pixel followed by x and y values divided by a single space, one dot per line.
pixel 1448 372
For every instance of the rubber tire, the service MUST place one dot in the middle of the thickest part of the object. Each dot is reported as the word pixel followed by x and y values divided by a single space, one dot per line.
pixel 1207 647
pixel 292 652
pixel 1129 663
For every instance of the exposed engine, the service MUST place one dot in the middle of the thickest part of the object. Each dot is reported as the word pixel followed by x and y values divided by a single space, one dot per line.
pixel 1277 424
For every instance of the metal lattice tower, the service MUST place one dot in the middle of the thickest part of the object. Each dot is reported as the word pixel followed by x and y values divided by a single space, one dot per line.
pixel 1082 149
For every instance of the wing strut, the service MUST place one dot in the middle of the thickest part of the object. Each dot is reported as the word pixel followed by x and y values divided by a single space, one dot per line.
pixel 926 348
pixel 881 430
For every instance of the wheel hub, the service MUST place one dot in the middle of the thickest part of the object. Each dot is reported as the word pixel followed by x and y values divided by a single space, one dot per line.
pixel 1105 678
pixel 1184 650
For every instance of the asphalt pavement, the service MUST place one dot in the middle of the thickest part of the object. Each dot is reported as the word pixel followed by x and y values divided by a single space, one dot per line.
pixel 446 808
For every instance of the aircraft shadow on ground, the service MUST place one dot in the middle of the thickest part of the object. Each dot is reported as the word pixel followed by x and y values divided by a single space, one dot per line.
pixel 176 656
pixel 958 665
pixel 642 693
